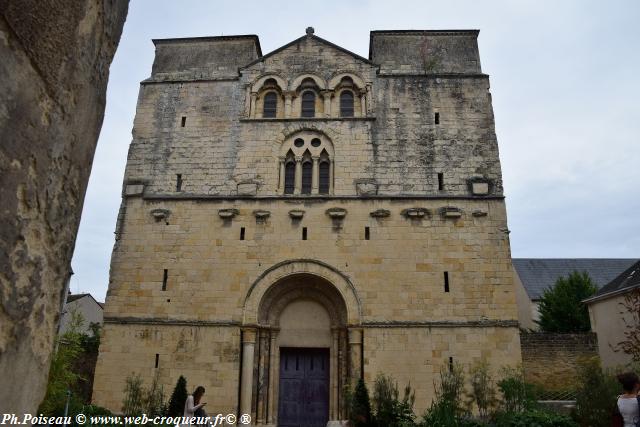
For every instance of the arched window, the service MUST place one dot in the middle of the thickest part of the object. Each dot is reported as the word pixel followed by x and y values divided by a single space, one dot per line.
pixel 307 176
pixel 324 177
pixel 308 104
pixel 270 107
pixel 346 103
pixel 289 177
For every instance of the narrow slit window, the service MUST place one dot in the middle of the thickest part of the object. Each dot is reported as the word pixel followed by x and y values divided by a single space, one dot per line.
pixel 289 178
pixel 165 277
pixel 179 182
pixel 241 233
pixel 304 233
pixel 440 181
pixel 437 118
pixel 450 364
pixel 270 108
pixel 183 122
pixel 446 281
pixel 157 359
pixel 367 233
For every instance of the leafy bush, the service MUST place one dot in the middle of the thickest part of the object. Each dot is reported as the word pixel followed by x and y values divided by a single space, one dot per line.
pixel 178 398
pixel 596 395
pixel 517 394
pixel 389 409
pixel 561 307
pixel 483 392
pixel 63 378
pixel 359 405
pixel 533 418
pixel 446 410
pixel 133 396
pixel 154 404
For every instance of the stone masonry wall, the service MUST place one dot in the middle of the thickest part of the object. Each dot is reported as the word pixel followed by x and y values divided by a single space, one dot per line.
pixel 398 147
pixel 54 65
pixel 551 360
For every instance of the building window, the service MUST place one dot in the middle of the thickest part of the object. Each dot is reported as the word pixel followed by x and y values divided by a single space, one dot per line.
pixel 289 177
pixel 308 104
pixel 324 177
pixel 270 107
pixel 346 103
pixel 307 176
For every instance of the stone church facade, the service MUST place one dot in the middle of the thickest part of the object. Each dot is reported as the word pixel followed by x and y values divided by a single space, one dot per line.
pixel 294 221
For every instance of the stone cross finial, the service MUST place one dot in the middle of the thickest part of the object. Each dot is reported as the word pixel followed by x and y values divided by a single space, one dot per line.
pixel 310 31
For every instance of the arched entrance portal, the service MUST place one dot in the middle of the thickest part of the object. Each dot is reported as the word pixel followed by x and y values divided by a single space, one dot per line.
pixel 302 349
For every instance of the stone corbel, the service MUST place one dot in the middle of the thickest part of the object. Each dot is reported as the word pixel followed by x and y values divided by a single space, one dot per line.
pixel 380 213
pixel 160 214
pixel 415 213
pixel 450 212
pixel 228 214
pixel 296 214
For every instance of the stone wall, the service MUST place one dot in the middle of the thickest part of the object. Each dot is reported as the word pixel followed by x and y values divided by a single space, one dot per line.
pixel 54 65
pixel 551 360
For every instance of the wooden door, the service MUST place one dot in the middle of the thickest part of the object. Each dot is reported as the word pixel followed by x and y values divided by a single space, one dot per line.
pixel 304 387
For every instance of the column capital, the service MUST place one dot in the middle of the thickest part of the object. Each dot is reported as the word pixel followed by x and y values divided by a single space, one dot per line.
pixel 326 92
pixel 249 335
pixel 298 159
pixel 355 335
pixel 289 94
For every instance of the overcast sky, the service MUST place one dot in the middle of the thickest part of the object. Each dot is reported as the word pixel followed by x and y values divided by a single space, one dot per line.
pixel 566 95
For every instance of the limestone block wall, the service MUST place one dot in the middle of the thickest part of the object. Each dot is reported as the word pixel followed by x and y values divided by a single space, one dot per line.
pixel 425 52
pixel 204 355
pixel 416 356
pixel 395 272
pixel 551 360
pixel 53 78
pixel 201 131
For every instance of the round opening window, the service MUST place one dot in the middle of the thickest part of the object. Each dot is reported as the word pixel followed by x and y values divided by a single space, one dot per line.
pixel 298 142
pixel 316 142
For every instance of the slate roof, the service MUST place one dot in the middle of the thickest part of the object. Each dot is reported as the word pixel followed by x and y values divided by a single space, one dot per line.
pixel 538 274
pixel 627 280
pixel 75 297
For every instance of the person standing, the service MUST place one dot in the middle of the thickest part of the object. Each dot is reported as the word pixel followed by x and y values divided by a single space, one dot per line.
pixel 193 405
pixel 629 402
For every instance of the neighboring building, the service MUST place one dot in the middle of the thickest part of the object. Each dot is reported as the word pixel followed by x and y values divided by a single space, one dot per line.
pixel 534 275
pixel 294 221
pixel 85 305
pixel 609 318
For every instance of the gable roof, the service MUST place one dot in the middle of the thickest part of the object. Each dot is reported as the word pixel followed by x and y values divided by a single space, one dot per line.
pixel 311 37
pixel 75 297
pixel 627 280
pixel 538 274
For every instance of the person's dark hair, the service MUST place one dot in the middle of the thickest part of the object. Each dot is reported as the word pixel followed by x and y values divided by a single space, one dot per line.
pixel 629 380
pixel 198 394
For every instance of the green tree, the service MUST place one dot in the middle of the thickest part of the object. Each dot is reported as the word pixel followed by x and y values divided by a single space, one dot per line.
pixel 596 395
pixel 561 307
pixel 63 378
pixel 178 398
pixel 360 406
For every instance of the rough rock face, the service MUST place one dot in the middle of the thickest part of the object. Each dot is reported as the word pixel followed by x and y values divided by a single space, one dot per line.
pixel 54 66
